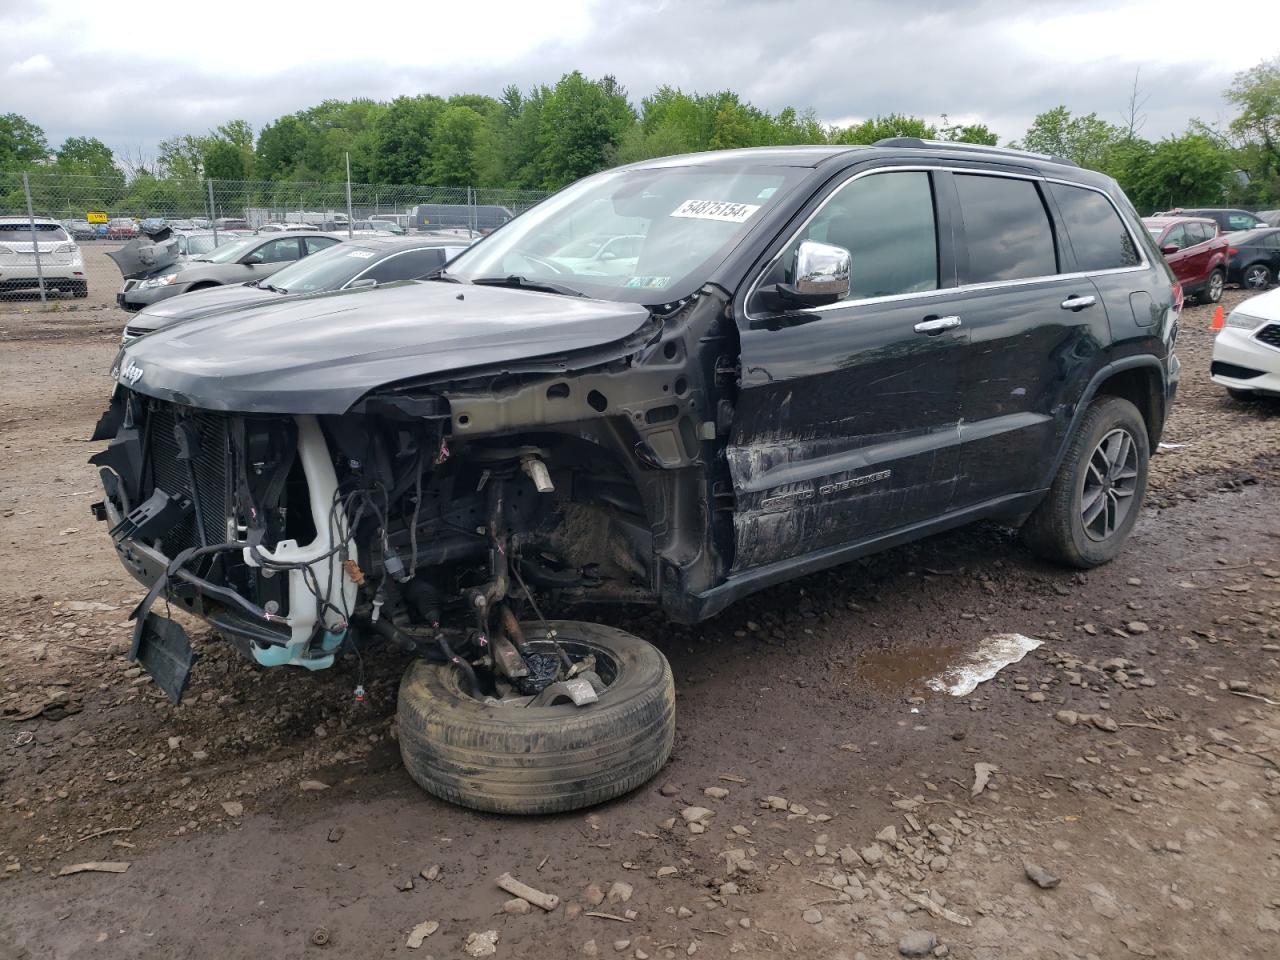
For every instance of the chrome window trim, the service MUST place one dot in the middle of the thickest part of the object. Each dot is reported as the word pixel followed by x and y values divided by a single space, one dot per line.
pixel 1145 263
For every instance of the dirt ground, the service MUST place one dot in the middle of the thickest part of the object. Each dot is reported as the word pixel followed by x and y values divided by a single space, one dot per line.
pixel 1134 755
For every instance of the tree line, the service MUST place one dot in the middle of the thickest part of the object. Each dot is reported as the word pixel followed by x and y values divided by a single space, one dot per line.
pixel 551 135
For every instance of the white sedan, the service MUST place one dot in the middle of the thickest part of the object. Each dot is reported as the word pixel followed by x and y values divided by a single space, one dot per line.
pixel 1246 353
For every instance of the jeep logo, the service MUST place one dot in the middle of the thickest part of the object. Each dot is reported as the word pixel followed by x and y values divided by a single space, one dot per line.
pixel 131 374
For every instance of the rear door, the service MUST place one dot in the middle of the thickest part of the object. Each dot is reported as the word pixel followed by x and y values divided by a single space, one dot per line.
pixel 1181 261
pixel 848 415
pixel 1033 328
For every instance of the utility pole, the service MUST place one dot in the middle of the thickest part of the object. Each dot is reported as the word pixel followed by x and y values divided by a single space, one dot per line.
pixel 349 225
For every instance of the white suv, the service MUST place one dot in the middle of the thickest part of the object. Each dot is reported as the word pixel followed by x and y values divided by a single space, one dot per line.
pixel 61 262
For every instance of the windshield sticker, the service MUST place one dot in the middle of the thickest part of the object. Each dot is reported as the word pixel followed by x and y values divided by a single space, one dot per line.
pixel 648 283
pixel 723 210
pixel 360 254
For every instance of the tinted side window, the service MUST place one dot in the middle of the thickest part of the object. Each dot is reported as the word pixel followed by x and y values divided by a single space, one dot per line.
pixel 277 251
pixel 886 222
pixel 1098 235
pixel 316 244
pixel 1006 229
pixel 406 266
pixel 1237 221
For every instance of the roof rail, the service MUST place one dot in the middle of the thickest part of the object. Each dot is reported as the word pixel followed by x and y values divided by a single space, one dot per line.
pixel 919 143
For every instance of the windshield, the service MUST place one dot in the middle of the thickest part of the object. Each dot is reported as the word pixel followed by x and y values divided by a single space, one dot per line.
pixel 327 270
pixel 644 236
pixel 227 252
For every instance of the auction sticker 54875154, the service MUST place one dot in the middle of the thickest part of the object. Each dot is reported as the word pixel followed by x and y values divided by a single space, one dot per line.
pixel 716 210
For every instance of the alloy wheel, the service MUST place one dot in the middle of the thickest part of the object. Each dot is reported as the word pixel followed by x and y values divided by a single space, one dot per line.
pixel 1256 277
pixel 1109 484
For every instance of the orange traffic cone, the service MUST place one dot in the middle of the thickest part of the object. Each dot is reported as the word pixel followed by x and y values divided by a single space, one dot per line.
pixel 1219 319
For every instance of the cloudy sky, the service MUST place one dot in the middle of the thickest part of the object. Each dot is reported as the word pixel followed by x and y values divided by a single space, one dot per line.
pixel 109 71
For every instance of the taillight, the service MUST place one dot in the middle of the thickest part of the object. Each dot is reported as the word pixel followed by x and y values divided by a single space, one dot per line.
pixel 1232 251
pixel 1177 297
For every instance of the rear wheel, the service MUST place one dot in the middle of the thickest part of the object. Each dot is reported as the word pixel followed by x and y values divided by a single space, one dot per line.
pixel 1097 495
pixel 1212 292
pixel 1256 276
pixel 516 757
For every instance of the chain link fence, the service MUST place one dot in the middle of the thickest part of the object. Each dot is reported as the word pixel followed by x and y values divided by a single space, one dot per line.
pixel 92 216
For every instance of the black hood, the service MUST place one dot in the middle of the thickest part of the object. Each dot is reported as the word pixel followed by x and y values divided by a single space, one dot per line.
pixel 200 303
pixel 321 354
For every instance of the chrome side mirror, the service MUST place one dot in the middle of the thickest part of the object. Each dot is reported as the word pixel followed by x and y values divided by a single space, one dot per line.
pixel 821 272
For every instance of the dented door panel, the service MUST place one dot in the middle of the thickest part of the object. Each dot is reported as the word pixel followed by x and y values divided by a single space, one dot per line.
pixel 1022 372
pixel 847 425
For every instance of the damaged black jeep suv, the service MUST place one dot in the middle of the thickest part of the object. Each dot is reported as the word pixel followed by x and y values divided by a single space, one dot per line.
pixel 675 382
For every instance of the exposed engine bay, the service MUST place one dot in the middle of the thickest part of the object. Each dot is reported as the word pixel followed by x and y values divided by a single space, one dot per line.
pixel 426 521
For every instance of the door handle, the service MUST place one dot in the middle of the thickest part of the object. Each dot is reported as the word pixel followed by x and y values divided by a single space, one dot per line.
pixel 935 325
pixel 1078 303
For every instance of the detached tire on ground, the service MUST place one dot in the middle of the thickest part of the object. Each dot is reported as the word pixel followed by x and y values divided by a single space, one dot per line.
pixel 539 760
pixel 1097 495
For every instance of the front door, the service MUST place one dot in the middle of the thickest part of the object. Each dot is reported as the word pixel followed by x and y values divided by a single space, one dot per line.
pixel 847 422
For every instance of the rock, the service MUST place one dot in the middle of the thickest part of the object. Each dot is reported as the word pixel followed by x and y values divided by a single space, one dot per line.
pixel 516 906
pixel 888 835
pixel 776 803
pixel 812 915
pixel 233 808
pixel 1239 686
pixel 715 793
pixel 917 943
pixel 981 776
pixel 1104 723
pixel 572 911
pixel 666 872
pixel 312 786
pixel 1036 697
pixel 938 864
pixel 430 873
pixel 669 789
pixel 593 894
pixel 684 913
pixel 404 886
pixel 620 945
pixel 872 854
pixel 1041 877
pixel 481 944
pixel 1136 626
pixel 589 949
pixel 696 815
pixel 620 892
pixel 1069 717
pixel 174 742
pixel 420 933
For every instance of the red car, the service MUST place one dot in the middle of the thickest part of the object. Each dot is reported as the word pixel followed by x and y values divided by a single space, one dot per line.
pixel 1196 252
pixel 121 228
